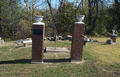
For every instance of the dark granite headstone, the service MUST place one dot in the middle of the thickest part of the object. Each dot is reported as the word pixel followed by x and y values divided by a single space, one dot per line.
pixel 109 41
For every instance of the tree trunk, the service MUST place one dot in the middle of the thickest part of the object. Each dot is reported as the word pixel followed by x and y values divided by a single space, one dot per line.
pixel 92 22
pixel 84 11
pixel 95 18
pixel 90 13
pixel 56 28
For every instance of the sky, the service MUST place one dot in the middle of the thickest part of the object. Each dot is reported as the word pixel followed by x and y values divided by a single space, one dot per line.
pixel 54 3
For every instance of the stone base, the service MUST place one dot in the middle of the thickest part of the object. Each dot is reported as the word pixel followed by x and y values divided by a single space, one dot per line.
pixel 25 44
pixel 58 49
pixel 77 62
pixel 36 62
pixel 113 38
pixel 85 42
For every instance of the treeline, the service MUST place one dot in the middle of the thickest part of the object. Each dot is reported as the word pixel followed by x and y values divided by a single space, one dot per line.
pixel 17 17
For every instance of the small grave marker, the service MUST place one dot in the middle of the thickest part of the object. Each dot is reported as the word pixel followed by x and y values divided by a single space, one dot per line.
pixel 109 41
pixel 113 36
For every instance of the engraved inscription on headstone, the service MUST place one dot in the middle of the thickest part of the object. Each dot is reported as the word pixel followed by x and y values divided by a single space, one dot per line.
pixel 37 31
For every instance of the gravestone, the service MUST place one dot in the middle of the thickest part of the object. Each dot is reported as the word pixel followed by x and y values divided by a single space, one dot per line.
pixel 109 41
pixel 113 36
pixel 38 40
pixel 69 37
pixel 60 37
pixel 91 40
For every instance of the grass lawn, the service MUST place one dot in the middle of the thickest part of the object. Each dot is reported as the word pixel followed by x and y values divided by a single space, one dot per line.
pixel 100 61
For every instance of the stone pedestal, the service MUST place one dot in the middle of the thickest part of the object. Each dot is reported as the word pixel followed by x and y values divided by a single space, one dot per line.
pixel 25 44
pixel 77 42
pixel 38 42
pixel 0 41
pixel 85 42
pixel 113 38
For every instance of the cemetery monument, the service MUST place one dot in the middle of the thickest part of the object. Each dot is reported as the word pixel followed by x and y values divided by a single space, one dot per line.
pixel 77 40
pixel 113 36
pixel 38 40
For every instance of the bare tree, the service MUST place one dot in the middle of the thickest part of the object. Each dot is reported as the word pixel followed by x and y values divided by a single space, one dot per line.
pixel 31 6
pixel 117 7
pixel 61 3
pixel 93 14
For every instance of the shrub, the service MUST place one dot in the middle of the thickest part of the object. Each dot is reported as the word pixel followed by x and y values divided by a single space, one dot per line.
pixel 94 33
pixel 117 32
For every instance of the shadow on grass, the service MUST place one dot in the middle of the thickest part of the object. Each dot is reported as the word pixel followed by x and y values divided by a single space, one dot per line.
pixel 28 61
pixel 56 60
pixel 23 61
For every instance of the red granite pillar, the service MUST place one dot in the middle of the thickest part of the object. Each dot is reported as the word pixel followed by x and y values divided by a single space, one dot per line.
pixel 38 43
pixel 77 42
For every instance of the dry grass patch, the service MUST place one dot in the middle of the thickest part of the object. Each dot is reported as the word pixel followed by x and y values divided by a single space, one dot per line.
pixel 106 54
pixel 101 39
pixel 57 55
